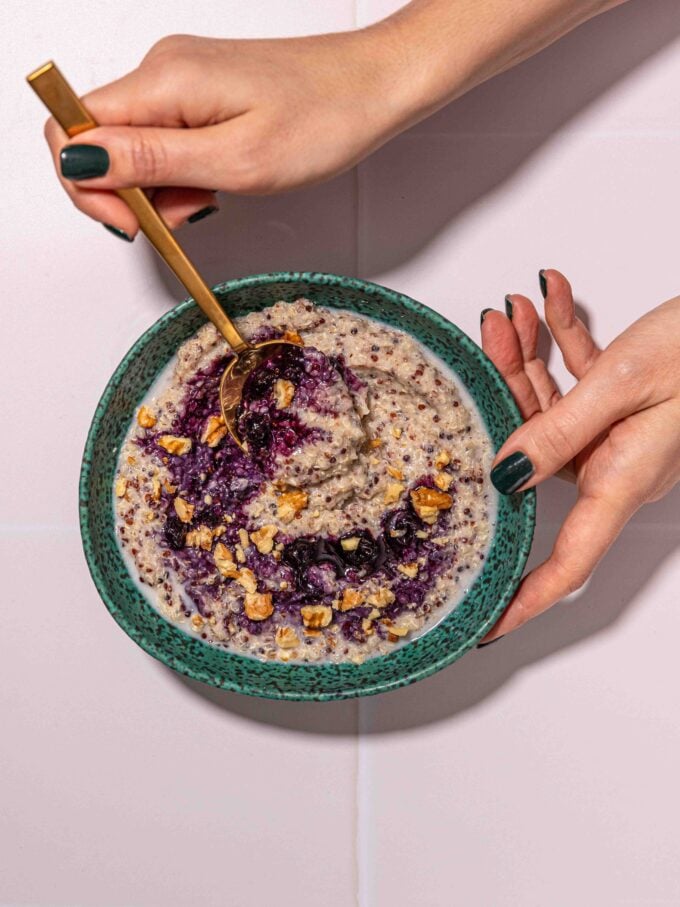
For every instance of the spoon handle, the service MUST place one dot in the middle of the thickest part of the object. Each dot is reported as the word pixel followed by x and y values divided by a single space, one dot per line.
pixel 68 110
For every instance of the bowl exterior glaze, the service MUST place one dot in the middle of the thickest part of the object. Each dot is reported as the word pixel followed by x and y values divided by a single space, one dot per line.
pixel 443 644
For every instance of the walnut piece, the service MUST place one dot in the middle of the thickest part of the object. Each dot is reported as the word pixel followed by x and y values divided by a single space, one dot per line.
pixel 396 432
pixel 200 538
pixel 175 446
pixel 427 502
pixel 224 561
pixel 442 459
pixel 284 391
pixel 381 598
pixel 316 616
pixel 286 638
pixel 393 492
pixel 374 443
pixel 291 503
pixel 395 473
pixel 184 510
pixel 410 570
pixel 258 605
pixel 351 598
pixel 246 578
pixel 243 537
pixel 145 417
pixel 443 480
pixel 197 621
pixel 350 544
pixel 293 337
pixel 263 538
pixel 215 430
pixel 121 486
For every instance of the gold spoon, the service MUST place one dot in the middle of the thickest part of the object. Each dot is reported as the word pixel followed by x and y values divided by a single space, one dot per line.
pixel 67 109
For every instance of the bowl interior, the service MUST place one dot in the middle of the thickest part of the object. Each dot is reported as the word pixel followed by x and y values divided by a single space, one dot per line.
pixel 448 640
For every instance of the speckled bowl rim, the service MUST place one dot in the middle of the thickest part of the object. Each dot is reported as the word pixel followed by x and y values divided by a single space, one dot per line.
pixel 527 515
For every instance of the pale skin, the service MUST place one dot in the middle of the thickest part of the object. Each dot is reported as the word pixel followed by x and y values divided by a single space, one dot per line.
pixel 268 116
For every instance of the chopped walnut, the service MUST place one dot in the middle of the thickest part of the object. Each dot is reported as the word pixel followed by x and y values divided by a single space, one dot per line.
pixel 286 638
pixel 313 633
pixel 393 492
pixel 351 598
pixel 284 391
pixel 422 534
pixel 427 502
pixel 442 540
pixel 169 489
pixel 293 337
pixel 443 480
pixel 442 459
pixel 121 486
pixel 243 537
pixel 375 442
pixel 156 488
pixel 258 605
pixel 215 430
pixel 394 629
pixel 381 598
pixel 240 553
pixel 246 578
pixel 290 503
pixel 197 621
pixel 350 544
pixel 367 626
pixel 200 538
pixel 410 570
pixel 224 561
pixel 395 473
pixel 316 616
pixel 145 417
pixel 263 538
pixel 176 446
pixel 184 510
pixel 396 432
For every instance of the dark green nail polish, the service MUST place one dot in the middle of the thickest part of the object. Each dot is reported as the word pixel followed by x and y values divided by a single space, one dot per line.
pixel 508 307
pixel 542 283
pixel 483 645
pixel 204 212
pixel 121 234
pixel 512 472
pixel 84 162
pixel 483 316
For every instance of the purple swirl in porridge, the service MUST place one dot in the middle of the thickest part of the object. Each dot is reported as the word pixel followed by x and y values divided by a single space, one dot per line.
pixel 360 515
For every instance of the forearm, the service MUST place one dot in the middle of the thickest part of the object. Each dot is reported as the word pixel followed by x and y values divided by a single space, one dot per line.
pixel 440 49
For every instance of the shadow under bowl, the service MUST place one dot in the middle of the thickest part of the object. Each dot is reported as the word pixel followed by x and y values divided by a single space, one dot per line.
pixel 458 632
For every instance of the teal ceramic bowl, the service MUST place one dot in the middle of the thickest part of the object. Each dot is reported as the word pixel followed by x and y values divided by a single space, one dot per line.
pixel 444 643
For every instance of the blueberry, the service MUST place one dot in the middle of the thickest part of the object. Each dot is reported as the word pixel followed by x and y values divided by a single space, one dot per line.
pixel 400 529
pixel 175 532
pixel 257 430
pixel 299 554
pixel 366 554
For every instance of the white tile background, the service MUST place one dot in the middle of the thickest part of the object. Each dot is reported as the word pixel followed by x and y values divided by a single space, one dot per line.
pixel 542 771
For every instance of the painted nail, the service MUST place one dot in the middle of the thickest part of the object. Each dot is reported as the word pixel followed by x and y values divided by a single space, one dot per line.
pixel 483 645
pixel 204 212
pixel 84 162
pixel 121 234
pixel 483 316
pixel 542 283
pixel 512 472
pixel 508 307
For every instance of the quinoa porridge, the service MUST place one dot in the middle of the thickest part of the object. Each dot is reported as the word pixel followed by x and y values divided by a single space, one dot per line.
pixel 360 515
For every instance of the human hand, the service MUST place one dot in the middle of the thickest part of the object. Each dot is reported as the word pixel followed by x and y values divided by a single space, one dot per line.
pixel 617 431
pixel 262 116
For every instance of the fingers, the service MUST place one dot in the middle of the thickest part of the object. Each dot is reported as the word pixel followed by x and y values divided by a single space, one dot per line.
pixel 501 344
pixel 575 341
pixel 526 322
pixel 587 533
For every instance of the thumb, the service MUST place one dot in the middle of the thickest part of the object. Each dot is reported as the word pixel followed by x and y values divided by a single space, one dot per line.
pixel 549 440
pixel 118 157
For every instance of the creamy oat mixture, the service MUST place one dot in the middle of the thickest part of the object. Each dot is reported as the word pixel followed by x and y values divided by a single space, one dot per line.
pixel 361 516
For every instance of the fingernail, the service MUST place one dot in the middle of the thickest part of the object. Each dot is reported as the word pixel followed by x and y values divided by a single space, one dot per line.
pixel 512 472
pixel 483 645
pixel 483 316
pixel 508 307
pixel 542 283
pixel 121 234
pixel 204 212
pixel 84 162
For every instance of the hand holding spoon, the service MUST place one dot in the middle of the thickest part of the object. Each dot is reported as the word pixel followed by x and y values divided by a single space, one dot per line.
pixel 68 110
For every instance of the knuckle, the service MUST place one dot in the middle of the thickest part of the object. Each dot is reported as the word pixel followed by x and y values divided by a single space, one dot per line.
pixel 557 440
pixel 169 44
pixel 147 158
pixel 626 371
